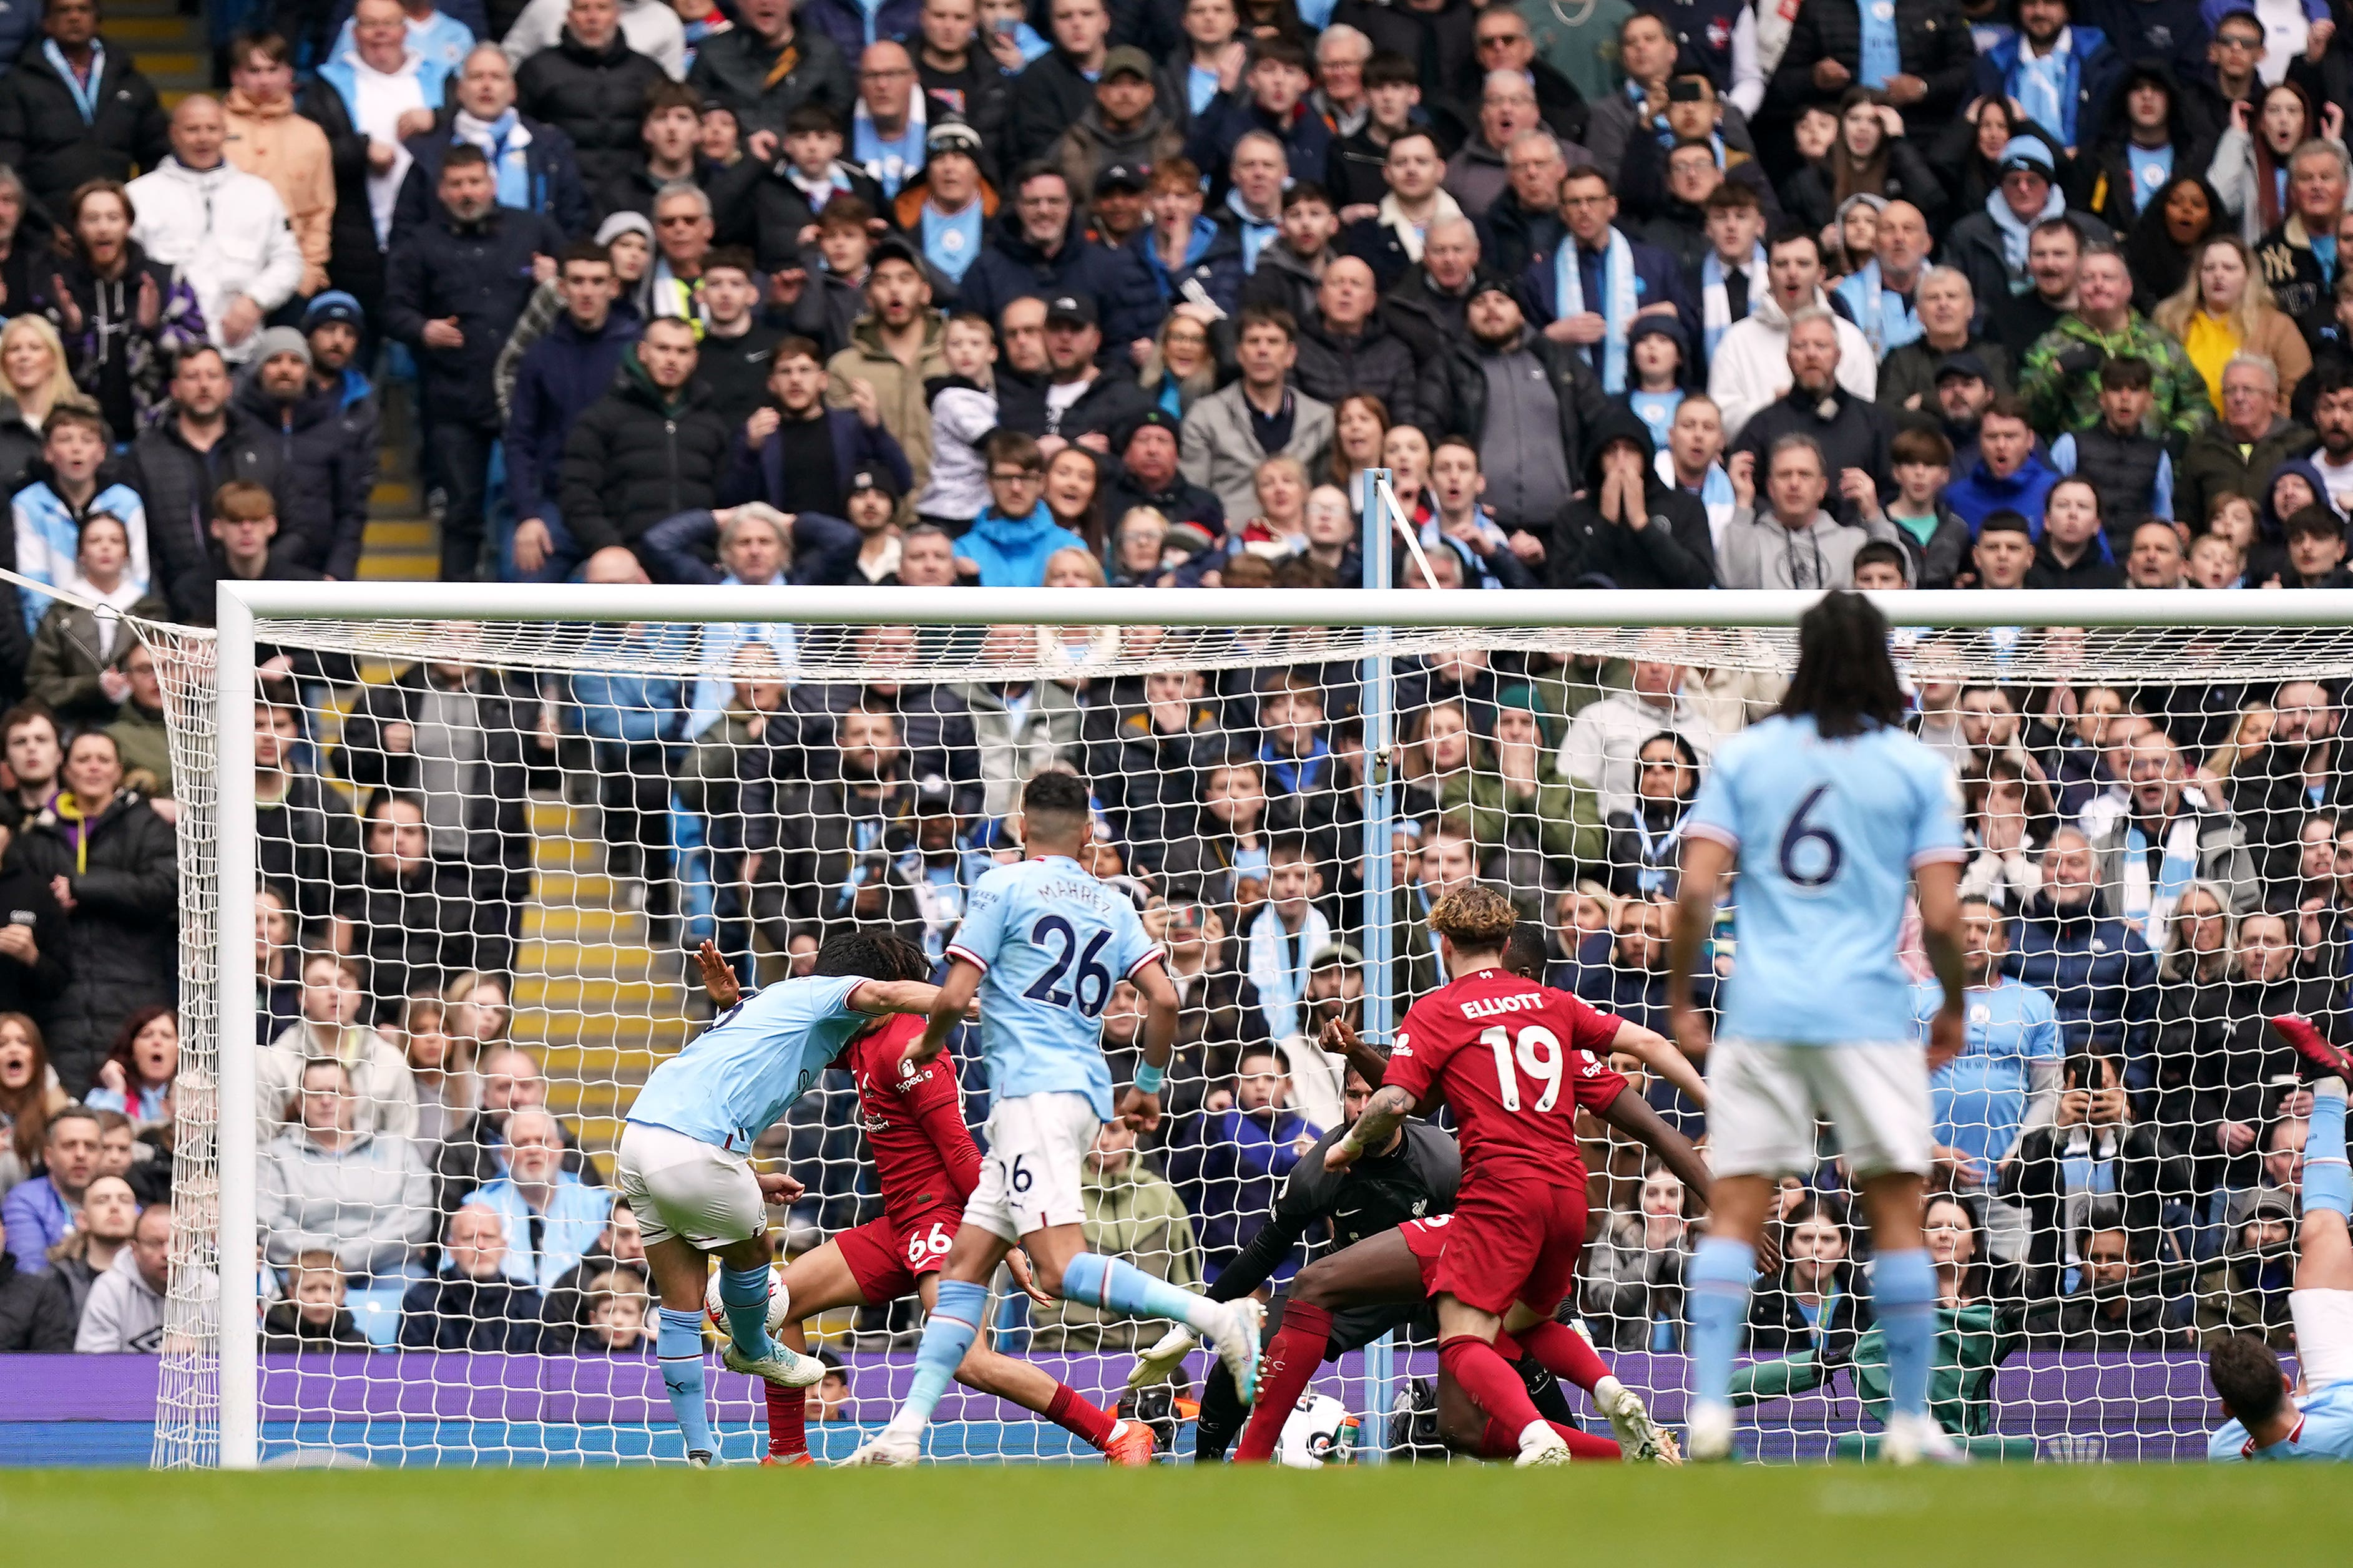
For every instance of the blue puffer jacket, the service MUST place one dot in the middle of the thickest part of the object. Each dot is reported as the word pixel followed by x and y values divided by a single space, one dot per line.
pixel 2100 976
pixel 1011 551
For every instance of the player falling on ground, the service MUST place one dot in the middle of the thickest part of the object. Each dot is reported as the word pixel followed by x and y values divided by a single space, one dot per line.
pixel 927 1165
pixel 682 1161
pixel 1389 1210
pixel 1513 1061
pixel 1829 808
pixel 1041 944
pixel 2265 1422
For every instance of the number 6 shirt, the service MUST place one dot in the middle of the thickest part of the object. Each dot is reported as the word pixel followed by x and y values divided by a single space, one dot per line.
pixel 1050 941
pixel 1514 1060
pixel 1828 833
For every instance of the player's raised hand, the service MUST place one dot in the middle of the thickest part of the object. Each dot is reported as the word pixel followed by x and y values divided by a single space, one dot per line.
pixel 718 977
pixel 1018 1262
pixel 1140 1111
pixel 1690 1030
pixel 777 1188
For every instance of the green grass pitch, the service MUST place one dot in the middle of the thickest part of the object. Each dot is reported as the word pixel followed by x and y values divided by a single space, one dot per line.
pixel 981 1517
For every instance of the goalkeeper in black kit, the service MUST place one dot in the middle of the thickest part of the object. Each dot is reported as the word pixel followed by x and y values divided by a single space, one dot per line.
pixel 1413 1178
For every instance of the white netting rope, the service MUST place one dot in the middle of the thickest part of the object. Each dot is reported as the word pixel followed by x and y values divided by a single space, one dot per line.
pixel 618 784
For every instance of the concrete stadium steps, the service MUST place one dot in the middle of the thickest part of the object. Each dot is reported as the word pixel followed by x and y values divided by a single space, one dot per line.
pixel 590 996
pixel 170 50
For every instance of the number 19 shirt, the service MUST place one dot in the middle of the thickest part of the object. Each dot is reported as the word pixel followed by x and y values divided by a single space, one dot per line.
pixel 1050 941
pixel 1828 833
pixel 1514 1060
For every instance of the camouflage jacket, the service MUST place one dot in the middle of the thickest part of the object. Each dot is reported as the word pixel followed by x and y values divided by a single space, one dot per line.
pixel 2059 401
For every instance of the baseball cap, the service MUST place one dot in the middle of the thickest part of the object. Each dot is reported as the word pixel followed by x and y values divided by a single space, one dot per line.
pixel 1966 363
pixel 1127 60
pixel 1121 177
pixel 892 249
pixel 871 477
pixel 1076 309
pixel 334 305
pixel 953 136
pixel 934 796
pixel 1338 952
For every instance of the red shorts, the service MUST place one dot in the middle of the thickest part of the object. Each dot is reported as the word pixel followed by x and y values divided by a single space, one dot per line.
pixel 885 1257
pixel 1426 1239
pixel 1511 1241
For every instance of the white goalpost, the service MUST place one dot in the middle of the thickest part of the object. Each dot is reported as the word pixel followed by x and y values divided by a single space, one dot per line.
pixel 584 832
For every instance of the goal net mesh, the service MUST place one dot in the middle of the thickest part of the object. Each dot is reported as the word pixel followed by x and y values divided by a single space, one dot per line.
pixel 485 849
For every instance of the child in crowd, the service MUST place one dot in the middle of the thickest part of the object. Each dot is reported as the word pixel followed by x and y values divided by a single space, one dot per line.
pixel 1659 350
pixel 2132 469
pixel 2004 550
pixel 964 411
pixel 1935 540
pixel 2216 563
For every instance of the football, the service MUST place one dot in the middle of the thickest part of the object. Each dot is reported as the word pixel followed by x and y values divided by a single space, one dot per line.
pixel 1309 1431
pixel 779 1303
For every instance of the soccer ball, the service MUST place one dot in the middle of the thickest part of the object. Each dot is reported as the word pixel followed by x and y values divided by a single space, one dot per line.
pixel 779 1303
pixel 1309 1431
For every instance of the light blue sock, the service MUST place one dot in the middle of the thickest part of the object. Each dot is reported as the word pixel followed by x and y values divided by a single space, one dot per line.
pixel 1117 1285
pixel 745 1293
pixel 954 1325
pixel 679 1345
pixel 2327 1182
pixel 1720 1273
pixel 1904 1289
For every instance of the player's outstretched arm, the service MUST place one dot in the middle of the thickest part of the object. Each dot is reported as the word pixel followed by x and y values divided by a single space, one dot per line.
pixel 1939 886
pixel 1663 1057
pixel 1389 1106
pixel 1364 1059
pixel 1632 1115
pixel 947 1005
pixel 879 996
pixel 1706 863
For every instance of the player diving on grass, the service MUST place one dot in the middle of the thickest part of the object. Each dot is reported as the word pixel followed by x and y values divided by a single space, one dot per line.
pixel 2266 1422
pixel 1829 809
pixel 1388 1208
pixel 1041 945
pixel 927 1165
pixel 683 1159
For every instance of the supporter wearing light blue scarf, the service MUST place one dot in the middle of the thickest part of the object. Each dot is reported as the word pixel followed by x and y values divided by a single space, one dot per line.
pixel 507 143
pixel 1715 304
pixel 2047 86
pixel 1616 305
pixel 1882 56
pixel 2027 154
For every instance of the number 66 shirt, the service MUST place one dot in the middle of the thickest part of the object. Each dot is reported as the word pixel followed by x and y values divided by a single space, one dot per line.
pixel 1514 1060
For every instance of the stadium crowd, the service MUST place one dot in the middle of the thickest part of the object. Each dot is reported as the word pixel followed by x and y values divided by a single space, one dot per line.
pixel 942 292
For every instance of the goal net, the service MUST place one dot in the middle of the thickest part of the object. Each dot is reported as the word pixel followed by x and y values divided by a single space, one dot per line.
pixel 444 852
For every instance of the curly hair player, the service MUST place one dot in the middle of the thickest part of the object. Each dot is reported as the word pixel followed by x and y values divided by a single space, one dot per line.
pixel 1830 810
pixel 2265 1422
pixel 1388 1209
pixel 1041 945
pixel 927 1165
pixel 682 1160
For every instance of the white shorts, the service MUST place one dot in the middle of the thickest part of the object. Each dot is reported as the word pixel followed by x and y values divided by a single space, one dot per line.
pixel 1038 1147
pixel 1765 1095
pixel 681 1186
pixel 2324 1335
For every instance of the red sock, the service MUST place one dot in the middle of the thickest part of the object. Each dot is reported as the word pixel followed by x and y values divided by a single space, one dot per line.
pixel 1490 1382
pixel 1564 1353
pixel 1498 1443
pixel 787 1421
pixel 1075 1414
pixel 1296 1350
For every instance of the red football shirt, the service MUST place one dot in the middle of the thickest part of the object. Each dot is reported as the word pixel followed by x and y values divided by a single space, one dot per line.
pixel 1514 1060
pixel 924 1153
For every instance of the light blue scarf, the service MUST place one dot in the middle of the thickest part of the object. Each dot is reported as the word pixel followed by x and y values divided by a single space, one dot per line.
pixel 85 97
pixel 2045 87
pixel 1618 304
pixel 1883 57
pixel 507 145
pixel 1882 314
pixel 2150 909
pixel 2014 233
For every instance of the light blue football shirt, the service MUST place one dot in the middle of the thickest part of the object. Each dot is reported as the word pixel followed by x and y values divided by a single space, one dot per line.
pixel 1050 941
pixel 734 1080
pixel 1828 833
pixel 1981 1095
pixel 2324 1433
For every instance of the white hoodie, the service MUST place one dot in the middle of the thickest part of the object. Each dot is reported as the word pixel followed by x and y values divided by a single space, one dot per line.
pixel 225 232
pixel 649 26
pixel 1750 367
